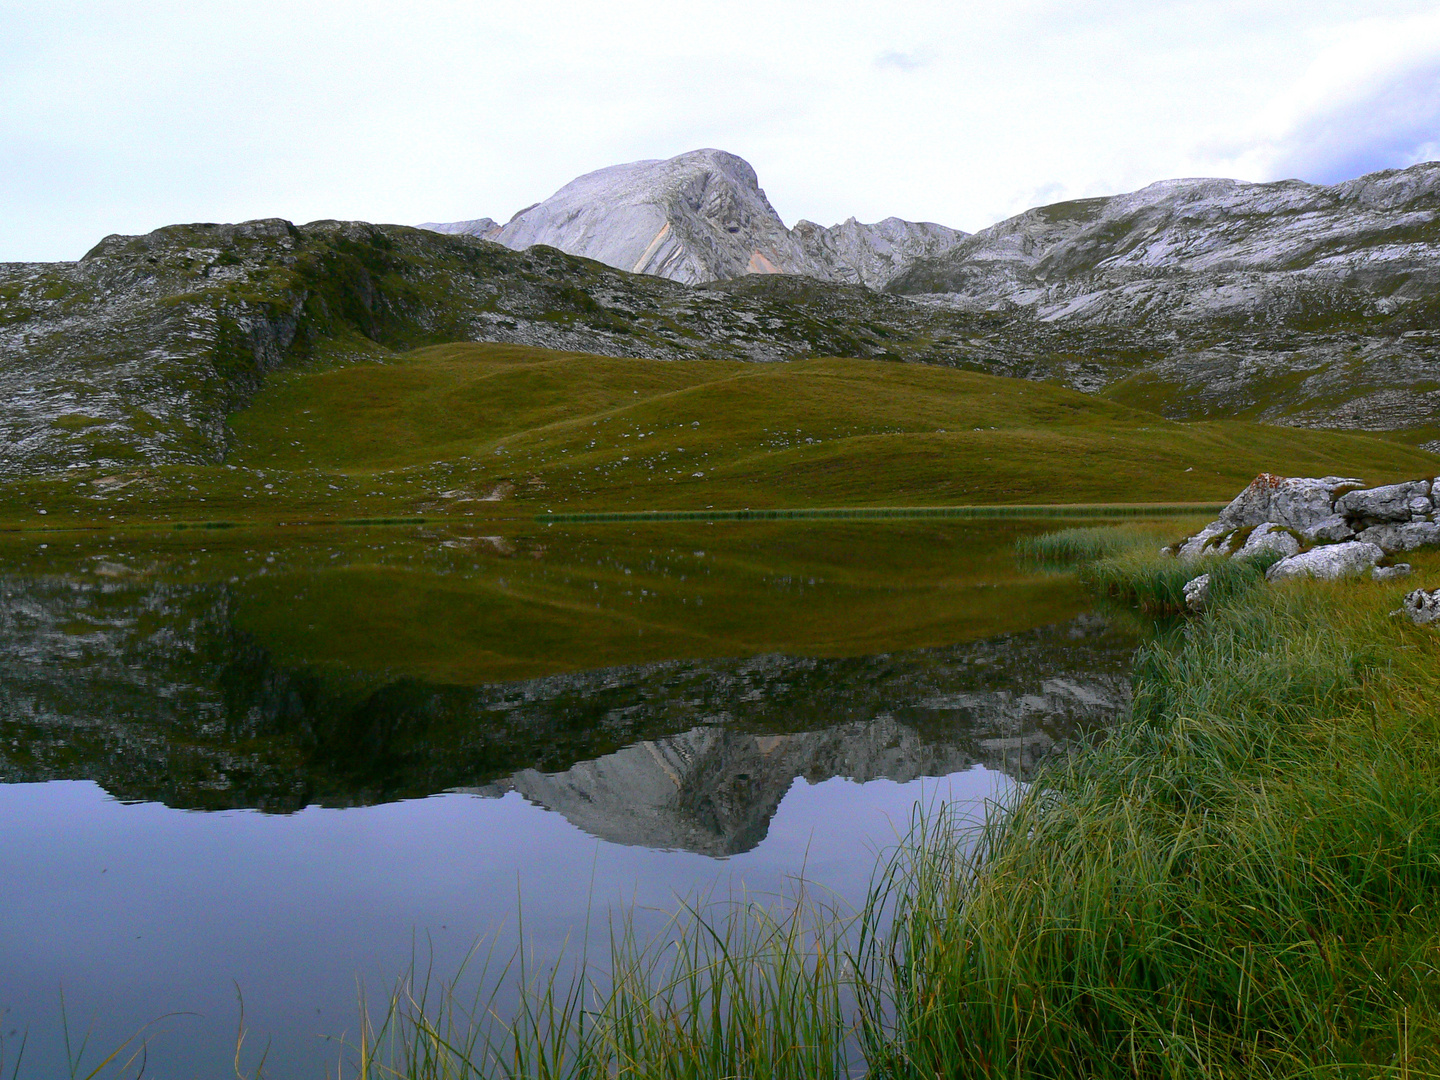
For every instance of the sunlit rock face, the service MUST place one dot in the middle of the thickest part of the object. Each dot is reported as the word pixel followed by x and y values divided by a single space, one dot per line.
pixel 1198 250
pixel 701 217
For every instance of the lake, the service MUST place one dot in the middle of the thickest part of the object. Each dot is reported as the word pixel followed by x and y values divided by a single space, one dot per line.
pixel 265 769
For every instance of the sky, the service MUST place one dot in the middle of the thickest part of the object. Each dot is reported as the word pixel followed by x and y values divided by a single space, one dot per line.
pixel 123 117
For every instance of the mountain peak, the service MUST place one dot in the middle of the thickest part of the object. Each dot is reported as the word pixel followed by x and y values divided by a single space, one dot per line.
pixel 702 216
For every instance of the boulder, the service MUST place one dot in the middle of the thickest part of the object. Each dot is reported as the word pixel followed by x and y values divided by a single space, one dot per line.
pixel 1197 593
pixel 1394 502
pixel 1390 573
pixel 1402 537
pixel 1268 537
pixel 1203 542
pixel 1329 562
pixel 1330 530
pixel 1422 606
pixel 1295 502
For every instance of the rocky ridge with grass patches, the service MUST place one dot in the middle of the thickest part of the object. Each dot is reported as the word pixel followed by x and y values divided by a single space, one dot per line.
pixel 1284 302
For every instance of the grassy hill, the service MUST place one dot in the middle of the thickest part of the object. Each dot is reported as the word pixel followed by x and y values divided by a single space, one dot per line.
pixel 487 430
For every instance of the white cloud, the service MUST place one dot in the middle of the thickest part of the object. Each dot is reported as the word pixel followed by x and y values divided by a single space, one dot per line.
pixel 1369 100
pixel 126 116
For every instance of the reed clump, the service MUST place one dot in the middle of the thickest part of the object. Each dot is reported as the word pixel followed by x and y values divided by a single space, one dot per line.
pixel 1155 583
pixel 729 989
pixel 1068 548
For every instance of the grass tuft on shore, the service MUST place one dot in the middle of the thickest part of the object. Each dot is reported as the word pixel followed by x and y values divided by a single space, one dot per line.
pixel 1155 584
pixel 1068 548
pixel 736 988
pixel 1241 881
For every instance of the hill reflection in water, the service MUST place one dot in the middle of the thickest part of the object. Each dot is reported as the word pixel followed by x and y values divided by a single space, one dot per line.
pixel 275 671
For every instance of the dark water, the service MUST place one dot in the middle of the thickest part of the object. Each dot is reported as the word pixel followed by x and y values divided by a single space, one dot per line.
pixel 273 766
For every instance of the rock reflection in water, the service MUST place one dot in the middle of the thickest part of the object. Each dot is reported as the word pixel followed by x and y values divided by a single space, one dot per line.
pixel 1004 702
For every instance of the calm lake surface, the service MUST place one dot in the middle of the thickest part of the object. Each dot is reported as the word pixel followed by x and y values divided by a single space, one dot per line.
pixel 278 766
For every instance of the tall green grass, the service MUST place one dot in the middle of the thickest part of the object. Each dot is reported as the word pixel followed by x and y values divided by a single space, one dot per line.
pixel 1067 548
pixel 1156 583
pixel 733 989
pixel 1242 881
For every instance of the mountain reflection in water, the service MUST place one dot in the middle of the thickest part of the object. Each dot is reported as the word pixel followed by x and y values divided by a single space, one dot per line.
pixel 1003 702
pixel 176 705
pixel 683 694
pixel 194 677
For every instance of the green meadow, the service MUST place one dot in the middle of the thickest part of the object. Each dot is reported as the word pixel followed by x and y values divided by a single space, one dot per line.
pixel 495 431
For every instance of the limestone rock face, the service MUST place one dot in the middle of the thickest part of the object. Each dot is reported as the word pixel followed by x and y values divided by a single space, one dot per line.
pixel 1239 246
pixel 701 217
pixel 1297 503
pixel 1215 266
pixel 872 254
pixel 483 227
pixel 1329 562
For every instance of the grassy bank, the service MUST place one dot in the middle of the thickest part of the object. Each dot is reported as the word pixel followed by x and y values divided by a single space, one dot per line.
pixel 1243 880
pixel 495 431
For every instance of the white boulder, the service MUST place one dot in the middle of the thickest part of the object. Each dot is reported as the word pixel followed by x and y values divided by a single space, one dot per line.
pixel 1268 537
pixel 1296 502
pixel 1330 530
pixel 1205 542
pixel 1197 593
pixel 1328 562
pixel 1390 573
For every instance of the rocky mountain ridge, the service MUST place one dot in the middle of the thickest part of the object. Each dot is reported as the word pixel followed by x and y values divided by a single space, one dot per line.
pixel 1284 303
pixel 701 217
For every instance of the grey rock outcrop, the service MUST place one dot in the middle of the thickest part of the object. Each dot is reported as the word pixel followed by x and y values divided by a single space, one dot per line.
pixel 1239 248
pixel 1329 562
pixel 1298 503
pixel 1329 512
pixel 702 216
pixel 1423 606
pixel 1351 270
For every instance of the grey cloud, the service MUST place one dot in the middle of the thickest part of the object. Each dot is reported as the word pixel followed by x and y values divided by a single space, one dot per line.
pixel 1387 126
pixel 901 61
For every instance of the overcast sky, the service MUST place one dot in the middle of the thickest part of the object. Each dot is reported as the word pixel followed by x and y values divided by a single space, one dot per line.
pixel 122 117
